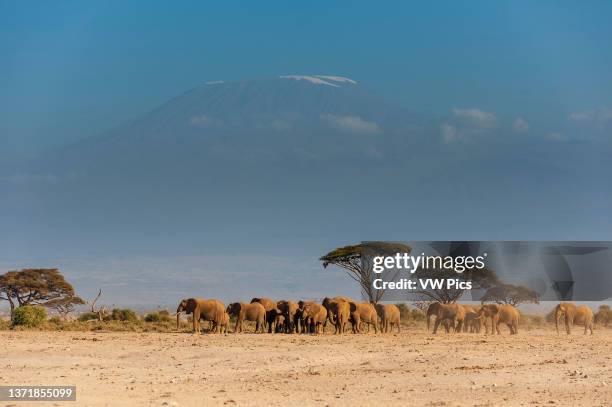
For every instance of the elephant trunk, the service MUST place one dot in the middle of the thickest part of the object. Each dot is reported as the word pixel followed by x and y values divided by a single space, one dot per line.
pixel 178 317
pixel 557 316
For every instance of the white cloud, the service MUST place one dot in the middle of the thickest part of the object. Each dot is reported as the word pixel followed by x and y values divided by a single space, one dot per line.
pixel 205 121
pixel 476 117
pixel 520 125
pixel 599 117
pixel 449 133
pixel 352 124
pixel 579 116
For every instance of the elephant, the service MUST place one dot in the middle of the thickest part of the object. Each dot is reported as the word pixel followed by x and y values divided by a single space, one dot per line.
pixel 208 310
pixel 389 316
pixel 314 316
pixel 271 311
pixel 432 310
pixel 279 322
pixel 454 313
pixel 505 313
pixel 251 312
pixel 224 323
pixel 338 313
pixel 472 322
pixel 573 314
pixel 289 310
pixel 363 312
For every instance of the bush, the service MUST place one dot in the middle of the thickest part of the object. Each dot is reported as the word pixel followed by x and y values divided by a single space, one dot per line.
pixel 159 316
pixel 29 316
pixel 417 315
pixel 87 316
pixel 604 315
pixel 124 315
pixel 55 320
pixel 152 317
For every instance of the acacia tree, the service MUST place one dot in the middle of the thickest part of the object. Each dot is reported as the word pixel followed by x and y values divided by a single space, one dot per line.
pixel 65 305
pixel 44 287
pixel 510 294
pixel 445 294
pixel 357 261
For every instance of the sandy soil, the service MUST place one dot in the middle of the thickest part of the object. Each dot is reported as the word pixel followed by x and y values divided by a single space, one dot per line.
pixel 412 368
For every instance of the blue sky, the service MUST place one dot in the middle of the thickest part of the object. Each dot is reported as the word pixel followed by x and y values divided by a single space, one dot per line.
pixel 73 69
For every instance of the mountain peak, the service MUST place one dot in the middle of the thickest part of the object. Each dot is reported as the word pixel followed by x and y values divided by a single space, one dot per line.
pixel 327 80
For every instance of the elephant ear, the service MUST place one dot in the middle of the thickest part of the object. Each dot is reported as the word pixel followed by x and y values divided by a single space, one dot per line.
pixel 191 305
pixel 494 308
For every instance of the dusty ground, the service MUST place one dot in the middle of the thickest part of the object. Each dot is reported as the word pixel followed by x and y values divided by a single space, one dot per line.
pixel 413 368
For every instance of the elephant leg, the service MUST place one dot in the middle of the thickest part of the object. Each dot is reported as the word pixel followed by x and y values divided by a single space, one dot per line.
pixel 194 322
pixel 459 326
pixel 567 325
pixel 436 325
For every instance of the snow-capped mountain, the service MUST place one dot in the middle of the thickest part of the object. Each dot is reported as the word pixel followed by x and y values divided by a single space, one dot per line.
pixel 299 164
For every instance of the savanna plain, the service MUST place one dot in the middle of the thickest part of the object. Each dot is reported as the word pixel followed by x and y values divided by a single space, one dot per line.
pixel 533 368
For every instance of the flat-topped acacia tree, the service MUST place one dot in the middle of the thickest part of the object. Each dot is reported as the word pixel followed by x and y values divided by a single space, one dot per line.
pixel 510 294
pixel 357 261
pixel 37 286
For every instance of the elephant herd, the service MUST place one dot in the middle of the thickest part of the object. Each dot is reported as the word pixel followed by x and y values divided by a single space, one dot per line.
pixel 292 317
pixel 345 314
pixel 468 318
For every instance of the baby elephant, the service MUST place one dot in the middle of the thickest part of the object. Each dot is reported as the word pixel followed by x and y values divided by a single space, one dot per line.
pixel 251 312
pixel 223 324
pixel 498 314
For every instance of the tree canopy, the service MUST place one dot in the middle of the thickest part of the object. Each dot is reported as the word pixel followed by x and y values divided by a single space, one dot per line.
pixel 510 294
pixel 37 286
pixel 357 261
